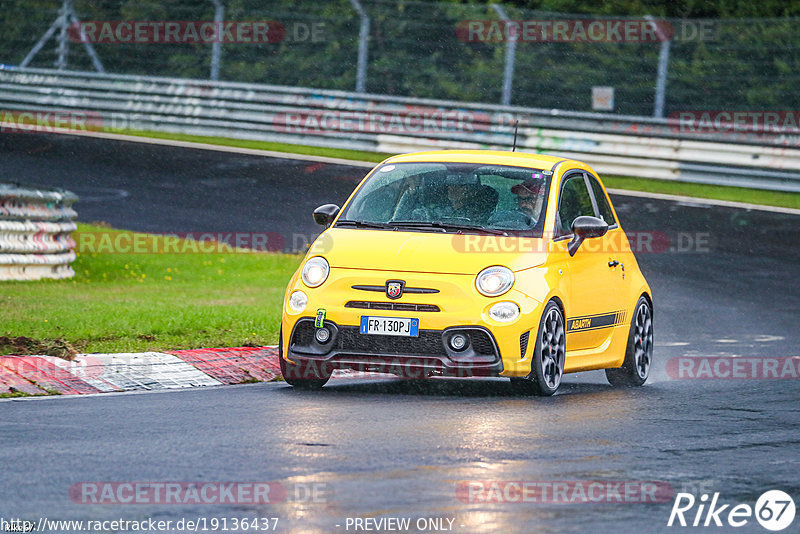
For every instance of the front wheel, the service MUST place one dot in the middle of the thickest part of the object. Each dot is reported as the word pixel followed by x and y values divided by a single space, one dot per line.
pixel 639 353
pixel 549 354
pixel 304 376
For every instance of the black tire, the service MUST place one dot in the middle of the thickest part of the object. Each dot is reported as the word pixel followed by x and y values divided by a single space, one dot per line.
pixel 549 355
pixel 304 376
pixel 639 351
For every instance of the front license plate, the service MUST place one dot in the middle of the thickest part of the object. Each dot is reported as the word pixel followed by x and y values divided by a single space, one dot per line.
pixel 390 326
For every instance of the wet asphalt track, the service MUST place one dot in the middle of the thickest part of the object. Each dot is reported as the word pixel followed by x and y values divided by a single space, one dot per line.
pixel 392 448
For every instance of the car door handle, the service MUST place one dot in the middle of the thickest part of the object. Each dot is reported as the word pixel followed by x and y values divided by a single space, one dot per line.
pixel 613 263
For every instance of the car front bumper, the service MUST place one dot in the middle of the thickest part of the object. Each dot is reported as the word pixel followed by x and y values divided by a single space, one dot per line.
pixel 454 305
pixel 429 353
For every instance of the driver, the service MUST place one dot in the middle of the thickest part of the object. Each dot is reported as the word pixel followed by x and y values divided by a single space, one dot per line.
pixel 455 201
pixel 457 194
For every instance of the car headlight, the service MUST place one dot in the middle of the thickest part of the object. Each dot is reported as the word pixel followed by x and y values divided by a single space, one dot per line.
pixel 494 281
pixel 298 301
pixel 504 312
pixel 315 271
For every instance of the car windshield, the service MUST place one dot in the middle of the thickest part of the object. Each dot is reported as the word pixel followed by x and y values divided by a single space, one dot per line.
pixel 451 197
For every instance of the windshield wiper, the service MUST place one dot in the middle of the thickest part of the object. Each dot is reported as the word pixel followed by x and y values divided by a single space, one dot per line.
pixel 449 226
pixel 364 224
pixel 419 224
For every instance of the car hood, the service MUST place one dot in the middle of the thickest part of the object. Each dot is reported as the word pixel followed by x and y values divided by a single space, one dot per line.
pixel 428 252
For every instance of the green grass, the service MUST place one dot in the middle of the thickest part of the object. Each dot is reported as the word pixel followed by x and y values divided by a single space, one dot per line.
pixel 138 302
pixel 16 394
pixel 736 194
pixel 343 153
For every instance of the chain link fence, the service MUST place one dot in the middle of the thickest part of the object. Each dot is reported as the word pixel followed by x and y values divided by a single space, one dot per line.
pixel 445 51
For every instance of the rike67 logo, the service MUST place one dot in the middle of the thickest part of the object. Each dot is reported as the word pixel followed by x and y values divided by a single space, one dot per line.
pixel 774 510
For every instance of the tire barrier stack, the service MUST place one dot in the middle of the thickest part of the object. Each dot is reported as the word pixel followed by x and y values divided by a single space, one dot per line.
pixel 35 233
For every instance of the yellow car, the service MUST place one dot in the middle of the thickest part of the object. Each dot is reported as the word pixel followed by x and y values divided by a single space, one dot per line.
pixel 470 263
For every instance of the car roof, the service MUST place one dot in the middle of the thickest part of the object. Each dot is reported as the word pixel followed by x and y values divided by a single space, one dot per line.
pixel 498 157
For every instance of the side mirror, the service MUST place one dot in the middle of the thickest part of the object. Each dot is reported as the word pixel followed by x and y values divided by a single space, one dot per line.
pixel 585 227
pixel 325 214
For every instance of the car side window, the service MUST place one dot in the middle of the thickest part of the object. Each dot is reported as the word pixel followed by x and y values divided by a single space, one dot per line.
pixel 603 207
pixel 575 201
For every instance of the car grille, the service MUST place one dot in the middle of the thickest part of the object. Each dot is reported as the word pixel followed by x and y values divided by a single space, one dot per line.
pixel 394 306
pixel 481 342
pixel 382 289
pixel 429 342
pixel 523 343
pixel 303 333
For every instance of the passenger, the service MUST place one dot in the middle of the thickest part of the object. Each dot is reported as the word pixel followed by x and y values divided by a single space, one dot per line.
pixel 458 195
pixel 529 197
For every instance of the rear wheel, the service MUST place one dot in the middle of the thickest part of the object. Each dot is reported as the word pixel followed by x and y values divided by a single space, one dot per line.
pixel 639 352
pixel 309 375
pixel 549 354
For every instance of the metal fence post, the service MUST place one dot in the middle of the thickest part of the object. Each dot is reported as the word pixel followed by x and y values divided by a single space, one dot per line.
pixel 98 65
pixel 63 43
pixel 663 63
pixel 66 14
pixel 363 37
pixel 511 51
pixel 39 44
pixel 216 46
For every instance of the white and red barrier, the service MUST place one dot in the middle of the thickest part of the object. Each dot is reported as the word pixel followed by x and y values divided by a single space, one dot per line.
pixel 102 373
pixel 178 369
pixel 712 147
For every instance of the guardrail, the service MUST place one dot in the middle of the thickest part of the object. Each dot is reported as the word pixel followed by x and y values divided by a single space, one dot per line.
pixel 35 233
pixel 612 144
